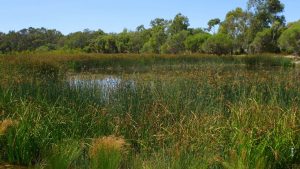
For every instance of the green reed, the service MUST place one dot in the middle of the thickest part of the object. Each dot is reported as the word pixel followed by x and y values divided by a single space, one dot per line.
pixel 206 116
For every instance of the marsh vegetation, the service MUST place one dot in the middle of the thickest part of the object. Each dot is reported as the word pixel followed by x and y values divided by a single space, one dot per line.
pixel 149 111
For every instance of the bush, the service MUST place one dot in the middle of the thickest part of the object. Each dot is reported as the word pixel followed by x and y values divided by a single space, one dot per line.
pixel 289 41
pixel 194 42
pixel 175 43
pixel 218 44
pixel 264 42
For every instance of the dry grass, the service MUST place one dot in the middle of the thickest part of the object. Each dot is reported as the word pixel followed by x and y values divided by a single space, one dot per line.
pixel 108 143
pixel 6 124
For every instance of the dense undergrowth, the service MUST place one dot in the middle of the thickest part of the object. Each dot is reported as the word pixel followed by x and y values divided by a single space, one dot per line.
pixel 181 112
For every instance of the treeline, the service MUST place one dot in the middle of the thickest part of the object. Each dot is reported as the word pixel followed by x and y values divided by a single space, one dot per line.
pixel 260 27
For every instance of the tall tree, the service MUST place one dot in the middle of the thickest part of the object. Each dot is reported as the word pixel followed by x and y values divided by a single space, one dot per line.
pixel 138 38
pixel 212 23
pixel 289 40
pixel 158 36
pixel 175 43
pixel 264 14
pixel 104 44
pixel 194 42
pixel 236 24
pixel 81 40
pixel 178 24
pixel 122 41
pixel 218 44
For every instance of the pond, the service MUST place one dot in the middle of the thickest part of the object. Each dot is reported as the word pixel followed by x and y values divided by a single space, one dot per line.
pixel 108 85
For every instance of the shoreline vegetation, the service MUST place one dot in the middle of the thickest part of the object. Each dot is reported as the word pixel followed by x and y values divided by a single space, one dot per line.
pixel 182 111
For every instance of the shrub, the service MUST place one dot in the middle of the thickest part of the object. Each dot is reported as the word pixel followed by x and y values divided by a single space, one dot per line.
pixel 175 43
pixel 289 41
pixel 218 44
pixel 194 42
pixel 264 42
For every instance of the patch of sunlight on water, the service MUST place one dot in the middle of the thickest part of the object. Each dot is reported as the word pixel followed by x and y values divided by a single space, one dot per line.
pixel 108 85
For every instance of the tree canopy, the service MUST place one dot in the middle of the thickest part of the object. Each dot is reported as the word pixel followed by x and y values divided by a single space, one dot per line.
pixel 258 28
pixel 289 40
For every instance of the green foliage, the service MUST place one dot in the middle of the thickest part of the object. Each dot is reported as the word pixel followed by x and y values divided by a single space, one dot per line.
pixel 247 30
pixel 105 44
pixel 122 42
pixel 264 14
pixel 194 42
pixel 158 36
pixel 79 40
pixel 212 23
pixel 179 23
pixel 28 39
pixel 47 48
pixel 104 159
pixel 289 41
pixel 264 42
pixel 138 39
pixel 258 148
pixel 21 143
pixel 175 43
pixel 217 113
pixel 236 25
pixel 64 155
pixel 218 44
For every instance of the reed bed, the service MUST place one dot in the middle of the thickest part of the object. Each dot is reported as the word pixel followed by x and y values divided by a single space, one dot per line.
pixel 215 114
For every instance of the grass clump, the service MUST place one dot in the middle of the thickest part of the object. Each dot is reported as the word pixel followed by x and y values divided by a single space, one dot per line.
pixel 107 152
pixel 64 155
pixel 261 137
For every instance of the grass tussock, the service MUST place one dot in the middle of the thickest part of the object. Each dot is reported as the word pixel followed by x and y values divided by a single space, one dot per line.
pixel 64 155
pixel 107 152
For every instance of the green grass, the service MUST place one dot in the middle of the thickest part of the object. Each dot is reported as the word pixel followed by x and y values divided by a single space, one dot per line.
pixel 183 112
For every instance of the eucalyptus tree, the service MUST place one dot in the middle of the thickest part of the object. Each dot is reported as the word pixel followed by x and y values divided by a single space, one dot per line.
pixel 81 39
pixel 178 24
pixel 236 25
pixel 218 44
pixel 194 42
pixel 289 40
pixel 106 43
pixel 138 38
pixel 175 43
pixel 212 24
pixel 265 13
pixel 158 36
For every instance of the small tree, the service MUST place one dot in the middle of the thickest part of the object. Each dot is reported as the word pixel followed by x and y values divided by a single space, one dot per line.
pixel 218 44
pixel 264 42
pixel 175 43
pixel 289 41
pixel 178 24
pixel 194 42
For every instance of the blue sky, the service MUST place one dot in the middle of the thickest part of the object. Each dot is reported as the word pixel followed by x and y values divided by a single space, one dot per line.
pixel 114 15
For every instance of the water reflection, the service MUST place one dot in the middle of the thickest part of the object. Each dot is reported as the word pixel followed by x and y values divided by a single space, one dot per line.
pixel 108 86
